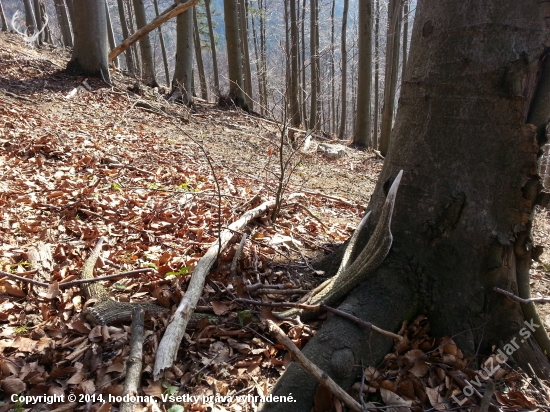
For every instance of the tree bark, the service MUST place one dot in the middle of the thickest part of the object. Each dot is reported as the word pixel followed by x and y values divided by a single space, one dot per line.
pixel 183 72
pixel 294 106
pixel 130 62
pixel 390 78
pixel 261 92
pixel 198 56
pixel 463 213
pixel 234 54
pixel 343 90
pixel 39 22
pixel 314 62
pixel 110 32
pixel 212 47
pixel 376 77
pixel 64 26
pixel 247 72
pixel 29 17
pixel 3 18
pixel 148 74
pixel 332 72
pixel 47 32
pixel 91 45
pixel 162 46
pixel 405 38
pixel 364 87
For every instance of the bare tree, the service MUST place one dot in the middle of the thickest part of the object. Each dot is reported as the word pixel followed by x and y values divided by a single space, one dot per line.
pixel 198 56
pixel 30 21
pixel 362 135
pixel 247 72
pixel 183 72
pixel 91 46
pixel 130 61
pixel 343 90
pixel 110 32
pixel 3 18
pixel 376 76
pixel 294 105
pixel 234 55
pixel 314 116
pixel 148 74
pixel 212 46
pixel 162 46
pixel 63 19
pixel 39 21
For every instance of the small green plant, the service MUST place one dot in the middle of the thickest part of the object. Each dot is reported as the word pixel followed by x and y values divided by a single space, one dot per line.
pixel 116 186
pixel 21 330
pixel 23 264
pixel 18 406
pixel 183 271
pixel 169 389
pixel 245 317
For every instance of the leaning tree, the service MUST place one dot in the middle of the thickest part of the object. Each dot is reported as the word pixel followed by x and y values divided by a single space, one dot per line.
pixel 91 44
pixel 461 225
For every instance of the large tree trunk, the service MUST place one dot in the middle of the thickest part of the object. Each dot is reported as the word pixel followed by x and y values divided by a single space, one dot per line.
pixel 30 21
pixel 110 32
pixel 234 54
pixel 183 72
pixel 364 88
pixel 376 108
pixel 130 60
pixel 294 104
pixel 148 74
pixel 39 21
pixel 91 46
pixel 3 18
pixel 463 212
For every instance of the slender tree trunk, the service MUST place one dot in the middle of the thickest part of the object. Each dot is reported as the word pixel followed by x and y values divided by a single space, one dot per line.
pixel 390 78
pixel 263 49
pixel 110 32
pixel 162 46
pixel 261 91
pixel 64 26
pixel 343 90
pixel 247 72
pixel 332 72
pixel 364 88
pixel 183 72
pixel 91 46
pixel 305 115
pixel 405 37
pixel 29 17
pixel 376 76
pixel 130 63
pixel 47 32
pixel 288 59
pixel 39 21
pixel 212 47
pixel 198 56
pixel 148 74
pixel 234 55
pixel 70 8
pixel 294 74
pixel 314 114
pixel 3 18
pixel 136 56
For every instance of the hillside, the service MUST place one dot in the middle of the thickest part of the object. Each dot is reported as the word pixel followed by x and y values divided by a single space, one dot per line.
pixel 81 159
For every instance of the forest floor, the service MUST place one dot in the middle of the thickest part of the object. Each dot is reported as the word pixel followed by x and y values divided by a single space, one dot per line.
pixel 80 159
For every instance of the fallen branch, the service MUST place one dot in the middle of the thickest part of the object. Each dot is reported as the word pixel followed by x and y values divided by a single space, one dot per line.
pixel 166 15
pixel 170 342
pixel 135 361
pixel 314 370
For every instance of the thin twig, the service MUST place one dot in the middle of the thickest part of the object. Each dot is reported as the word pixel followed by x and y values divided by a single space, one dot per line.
pixel 233 270
pixel 524 301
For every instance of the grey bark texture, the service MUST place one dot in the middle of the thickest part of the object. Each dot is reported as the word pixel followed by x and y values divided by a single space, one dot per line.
pixel 247 72
pixel 462 216
pixel 234 54
pixel 91 46
pixel 314 62
pixel 390 78
pixel 198 56
pixel 130 61
pixel 376 96
pixel 212 46
pixel 294 104
pixel 30 21
pixel 362 133
pixel 39 21
pixel 64 25
pixel 183 71
pixel 3 18
pixel 343 87
pixel 148 67
pixel 110 32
